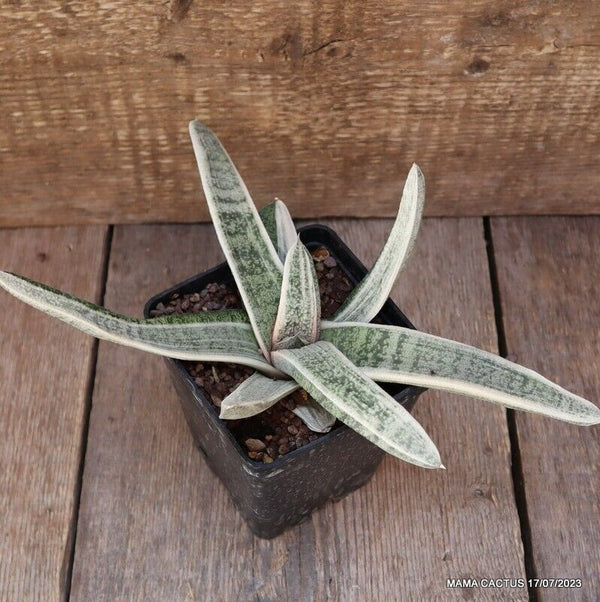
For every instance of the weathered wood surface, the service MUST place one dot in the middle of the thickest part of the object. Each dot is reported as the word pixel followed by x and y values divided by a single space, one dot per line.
pixel 548 274
pixel 44 374
pixel 323 104
pixel 155 524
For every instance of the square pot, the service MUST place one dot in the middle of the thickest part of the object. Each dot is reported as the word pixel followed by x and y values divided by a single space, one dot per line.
pixel 272 497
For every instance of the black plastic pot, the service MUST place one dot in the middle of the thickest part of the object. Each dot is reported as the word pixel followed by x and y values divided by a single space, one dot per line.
pixel 272 497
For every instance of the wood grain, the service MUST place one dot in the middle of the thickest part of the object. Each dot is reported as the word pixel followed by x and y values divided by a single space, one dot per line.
pixel 44 374
pixel 155 524
pixel 548 274
pixel 409 530
pixel 324 104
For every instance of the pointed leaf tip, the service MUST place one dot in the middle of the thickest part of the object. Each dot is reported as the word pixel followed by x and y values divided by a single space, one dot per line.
pixel 299 314
pixel 254 395
pixel 594 416
pixel 410 357
pixel 280 226
pixel 344 391
pixel 222 335
pixel 415 170
pixel 251 256
pixel 365 301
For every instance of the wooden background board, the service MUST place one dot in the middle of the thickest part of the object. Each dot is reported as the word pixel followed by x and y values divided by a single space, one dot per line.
pixel 324 104
pixel 548 276
pixel 45 370
pixel 155 524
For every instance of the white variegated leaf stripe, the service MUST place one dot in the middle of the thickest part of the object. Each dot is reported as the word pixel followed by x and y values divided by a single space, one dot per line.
pixel 315 416
pixel 402 355
pixel 220 336
pixel 255 395
pixel 365 301
pixel 280 227
pixel 299 316
pixel 344 391
pixel 286 231
pixel 252 257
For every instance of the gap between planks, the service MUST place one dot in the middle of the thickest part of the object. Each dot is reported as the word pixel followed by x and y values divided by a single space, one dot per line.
pixel 89 393
pixel 128 492
pixel 515 452
pixel 43 386
pixel 551 310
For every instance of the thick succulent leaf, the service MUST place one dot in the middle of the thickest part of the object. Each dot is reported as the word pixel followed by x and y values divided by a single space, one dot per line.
pixel 315 416
pixel 344 391
pixel 402 355
pixel 280 227
pixel 299 316
pixel 252 257
pixel 365 301
pixel 255 395
pixel 258 393
pixel 267 215
pixel 220 336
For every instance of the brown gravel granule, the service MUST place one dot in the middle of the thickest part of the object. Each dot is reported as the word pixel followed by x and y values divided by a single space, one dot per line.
pixel 276 431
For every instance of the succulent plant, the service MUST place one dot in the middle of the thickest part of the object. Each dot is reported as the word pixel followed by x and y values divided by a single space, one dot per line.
pixel 281 335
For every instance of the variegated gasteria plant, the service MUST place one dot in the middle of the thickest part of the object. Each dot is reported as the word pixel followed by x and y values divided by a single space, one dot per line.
pixel 282 336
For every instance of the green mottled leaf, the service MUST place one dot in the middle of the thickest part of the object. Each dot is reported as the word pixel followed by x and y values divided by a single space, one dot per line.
pixel 365 301
pixel 402 355
pixel 315 416
pixel 220 336
pixel 252 257
pixel 299 316
pixel 344 391
pixel 267 215
pixel 280 227
pixel 255 395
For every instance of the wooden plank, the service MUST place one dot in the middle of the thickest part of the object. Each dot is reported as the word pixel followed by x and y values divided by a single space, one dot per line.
pixel 323 104
pixel 548 272
pixel 409 530
pixel 155 524
pixel 44 376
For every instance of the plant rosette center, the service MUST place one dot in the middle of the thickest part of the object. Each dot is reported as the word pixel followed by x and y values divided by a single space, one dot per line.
pixel 276 431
